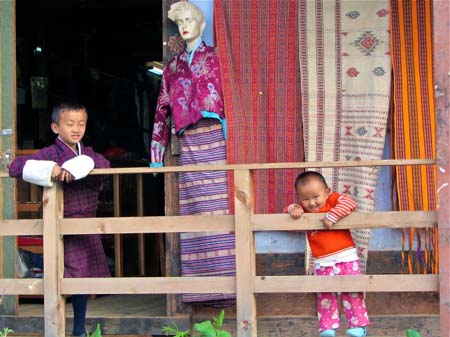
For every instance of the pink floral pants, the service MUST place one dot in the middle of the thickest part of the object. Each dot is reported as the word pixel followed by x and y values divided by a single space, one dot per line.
pixel 353 303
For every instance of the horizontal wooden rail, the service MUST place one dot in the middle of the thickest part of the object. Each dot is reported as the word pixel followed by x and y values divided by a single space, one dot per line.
pixel 21 227
pixel 275 222
pixel 362 283
pixel 25 286
pixel 154 224
pixel 267 166
pixel 149 285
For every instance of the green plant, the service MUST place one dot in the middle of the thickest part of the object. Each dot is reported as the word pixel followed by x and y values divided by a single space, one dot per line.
pixel 5 332
pixel 97 332
pixel 206 328
pixel 412 333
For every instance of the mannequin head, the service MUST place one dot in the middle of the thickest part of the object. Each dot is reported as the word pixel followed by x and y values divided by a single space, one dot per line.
pixel 190 21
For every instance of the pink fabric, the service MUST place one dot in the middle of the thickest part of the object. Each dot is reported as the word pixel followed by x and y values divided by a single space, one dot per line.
pixel 353 303
pixel 187 90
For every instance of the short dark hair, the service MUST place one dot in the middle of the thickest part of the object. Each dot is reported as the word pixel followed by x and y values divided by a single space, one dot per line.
pixel 62 106
pixel 307 176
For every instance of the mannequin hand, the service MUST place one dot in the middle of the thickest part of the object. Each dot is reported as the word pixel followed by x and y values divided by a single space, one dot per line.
pixel 157 152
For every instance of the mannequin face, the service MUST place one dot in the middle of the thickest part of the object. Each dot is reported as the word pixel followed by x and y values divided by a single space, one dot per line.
pixel 190 29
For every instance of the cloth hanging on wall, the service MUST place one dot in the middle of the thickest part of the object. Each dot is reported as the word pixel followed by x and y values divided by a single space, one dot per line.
pixel 414 121
pixel 345 81
pixel 258 45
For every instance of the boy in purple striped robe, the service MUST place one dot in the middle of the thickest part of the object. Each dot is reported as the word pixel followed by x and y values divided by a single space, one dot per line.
pixel 69 162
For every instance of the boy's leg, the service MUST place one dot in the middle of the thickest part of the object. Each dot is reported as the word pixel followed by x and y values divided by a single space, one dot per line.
pixel 79 303
pixel 327 305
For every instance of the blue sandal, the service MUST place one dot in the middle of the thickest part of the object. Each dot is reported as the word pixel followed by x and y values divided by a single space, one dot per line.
pixel 328 333
pixel 357 332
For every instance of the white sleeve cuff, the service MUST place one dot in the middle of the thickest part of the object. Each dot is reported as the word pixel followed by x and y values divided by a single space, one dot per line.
pixel 38 172
pixel 80 166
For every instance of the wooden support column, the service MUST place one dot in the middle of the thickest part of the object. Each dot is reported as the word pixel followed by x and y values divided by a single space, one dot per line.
pixel 140 212
pixel 441 31
pixel 118 269
pixel 54 304
pixel 245 254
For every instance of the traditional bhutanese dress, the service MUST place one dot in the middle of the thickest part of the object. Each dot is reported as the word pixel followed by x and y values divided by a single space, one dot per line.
pixel 83 254
pixel 191 93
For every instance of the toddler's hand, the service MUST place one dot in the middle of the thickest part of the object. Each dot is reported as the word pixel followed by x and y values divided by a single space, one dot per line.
pixel 327 223
pixel 296 211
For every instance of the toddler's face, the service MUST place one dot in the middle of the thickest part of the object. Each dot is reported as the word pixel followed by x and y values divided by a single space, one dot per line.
pixel 312 195
pixel 71 127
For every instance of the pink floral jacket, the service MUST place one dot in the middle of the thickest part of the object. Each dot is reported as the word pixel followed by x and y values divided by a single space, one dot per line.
pixel 187 90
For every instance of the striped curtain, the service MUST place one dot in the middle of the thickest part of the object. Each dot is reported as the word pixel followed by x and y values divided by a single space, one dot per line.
pixel 257 42
pixel 414 131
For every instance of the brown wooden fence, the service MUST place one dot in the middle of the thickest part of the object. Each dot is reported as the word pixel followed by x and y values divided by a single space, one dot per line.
pixel 244 223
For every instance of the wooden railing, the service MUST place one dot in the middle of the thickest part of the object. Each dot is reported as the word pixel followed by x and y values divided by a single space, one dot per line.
pixel 244 223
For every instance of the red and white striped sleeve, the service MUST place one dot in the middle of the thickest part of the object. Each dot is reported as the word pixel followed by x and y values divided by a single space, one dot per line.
pixel 344 206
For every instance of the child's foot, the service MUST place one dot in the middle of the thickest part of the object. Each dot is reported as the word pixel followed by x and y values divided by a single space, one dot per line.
pixel 357 332
pixel 328 333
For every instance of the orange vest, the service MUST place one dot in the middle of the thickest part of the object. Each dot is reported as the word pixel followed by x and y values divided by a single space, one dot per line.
pixel 328 242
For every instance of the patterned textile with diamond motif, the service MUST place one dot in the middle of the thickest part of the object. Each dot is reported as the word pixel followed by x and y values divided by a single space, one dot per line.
pixel 345 76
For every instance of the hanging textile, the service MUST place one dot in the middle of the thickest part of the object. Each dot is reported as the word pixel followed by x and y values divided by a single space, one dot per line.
pixel 345 82
pixel 414 123
pixel 258 45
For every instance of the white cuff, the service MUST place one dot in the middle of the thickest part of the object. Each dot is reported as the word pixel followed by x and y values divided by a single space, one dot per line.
pixel 38 172
pixel 80 166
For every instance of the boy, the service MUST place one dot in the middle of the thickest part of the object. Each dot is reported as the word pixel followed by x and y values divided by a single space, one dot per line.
pixel 69 161
pixel 334 252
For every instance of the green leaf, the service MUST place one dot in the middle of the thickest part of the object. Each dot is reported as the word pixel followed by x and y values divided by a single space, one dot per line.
pixel 173 330
pixel 218 321
pixel 206 329
pixel 412 333
pixel 97 332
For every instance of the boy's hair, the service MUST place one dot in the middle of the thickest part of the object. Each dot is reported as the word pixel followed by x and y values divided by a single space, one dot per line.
pixel 60 107
pixel 306 176
pixel 178 8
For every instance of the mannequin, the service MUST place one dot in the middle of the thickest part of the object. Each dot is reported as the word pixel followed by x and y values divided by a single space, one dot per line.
pixel 191 94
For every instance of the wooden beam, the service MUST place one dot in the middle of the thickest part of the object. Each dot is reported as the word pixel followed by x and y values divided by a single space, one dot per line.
pixel 54 303
pixel 156 224
pixel 310 221
pixel 441 72
pixel 149 285
pixel 21 227
pixel 363 283
pixel 265 166
pixel 245 255
pixel 21 286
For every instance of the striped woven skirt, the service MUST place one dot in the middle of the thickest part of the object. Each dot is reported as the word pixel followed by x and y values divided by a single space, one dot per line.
pixel 205 193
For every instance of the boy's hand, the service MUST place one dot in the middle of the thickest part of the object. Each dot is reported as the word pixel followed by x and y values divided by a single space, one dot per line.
pixel 296 211
pixel 56 172
pixel 66 176
pixel 327 223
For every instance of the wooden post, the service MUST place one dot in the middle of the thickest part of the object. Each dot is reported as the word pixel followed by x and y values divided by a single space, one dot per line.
pixel 441 22
pixel 140 212
pixel 117 237
pixel 54 304
pixel 245 254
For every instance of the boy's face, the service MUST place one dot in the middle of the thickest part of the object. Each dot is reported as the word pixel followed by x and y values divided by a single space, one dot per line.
pixel 313 195
pixel 71 127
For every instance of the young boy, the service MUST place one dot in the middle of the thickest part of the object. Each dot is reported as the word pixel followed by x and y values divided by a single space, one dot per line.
pixel 69 161
pixel 333 251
